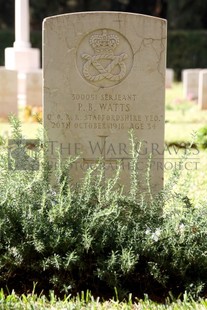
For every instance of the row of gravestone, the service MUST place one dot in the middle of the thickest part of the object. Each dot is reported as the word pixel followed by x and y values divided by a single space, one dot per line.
pixel 194 85
pixel 16 88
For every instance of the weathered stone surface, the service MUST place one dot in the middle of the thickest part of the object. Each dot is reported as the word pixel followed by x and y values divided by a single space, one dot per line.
pixel 104 74
pixel 202 92
pixel 169 78
pixel 34 88
pixel 8 92
pixel 190 83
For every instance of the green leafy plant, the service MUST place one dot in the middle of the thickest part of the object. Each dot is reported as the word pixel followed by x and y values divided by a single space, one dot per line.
pixel 202 137
pixel 95 236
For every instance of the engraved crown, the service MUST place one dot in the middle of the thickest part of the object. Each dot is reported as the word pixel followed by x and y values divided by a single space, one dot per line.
pixel 104 42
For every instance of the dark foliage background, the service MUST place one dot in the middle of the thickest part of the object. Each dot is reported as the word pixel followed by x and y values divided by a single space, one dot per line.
pixel 181 14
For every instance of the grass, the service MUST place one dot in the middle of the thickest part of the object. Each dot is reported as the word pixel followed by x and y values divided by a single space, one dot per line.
pixel 183 117
pixel 29 129
pixel 86 302
pixel 183 120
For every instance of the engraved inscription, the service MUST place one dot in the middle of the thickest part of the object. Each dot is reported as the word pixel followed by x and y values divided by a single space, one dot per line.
pixel 104 58
pixel 105 121
pixel 105 112
pixel 104 45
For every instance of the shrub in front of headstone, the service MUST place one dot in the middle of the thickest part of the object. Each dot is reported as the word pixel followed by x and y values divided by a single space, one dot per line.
pixel 95 237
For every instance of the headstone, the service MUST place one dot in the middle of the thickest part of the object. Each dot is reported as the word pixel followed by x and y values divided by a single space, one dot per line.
pixel 169 78
pixel 190 83
pixel 202 92
pixel 34 88
pixel 8 92
pixel 104 74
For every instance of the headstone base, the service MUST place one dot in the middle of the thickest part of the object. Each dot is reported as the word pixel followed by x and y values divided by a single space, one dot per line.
pixel 23 60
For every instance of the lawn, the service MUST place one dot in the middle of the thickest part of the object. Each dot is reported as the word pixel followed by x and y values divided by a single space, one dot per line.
pixel 183 121
pixel 87 302
pixel 183 117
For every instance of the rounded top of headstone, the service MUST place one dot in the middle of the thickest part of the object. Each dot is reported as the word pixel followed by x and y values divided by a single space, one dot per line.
pixel 104 13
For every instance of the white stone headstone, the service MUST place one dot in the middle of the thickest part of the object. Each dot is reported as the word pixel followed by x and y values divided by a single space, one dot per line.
pixel 34 88
pixel 169 78
pixel 104 74
pixel 202 92
pixel 8 93
pixel 190 83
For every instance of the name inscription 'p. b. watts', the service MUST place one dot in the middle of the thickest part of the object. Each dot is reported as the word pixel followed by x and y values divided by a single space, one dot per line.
pixel 104 106
pixel 104 102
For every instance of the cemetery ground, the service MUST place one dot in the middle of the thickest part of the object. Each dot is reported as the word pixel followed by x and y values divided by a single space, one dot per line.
pixel 145 255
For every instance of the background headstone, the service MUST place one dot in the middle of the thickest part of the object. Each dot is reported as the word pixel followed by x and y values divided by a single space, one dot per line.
pixel 104 74
pixel 8 92
pixel 202 92
pixel 190 83
pixel 169 78
pixel 34 88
